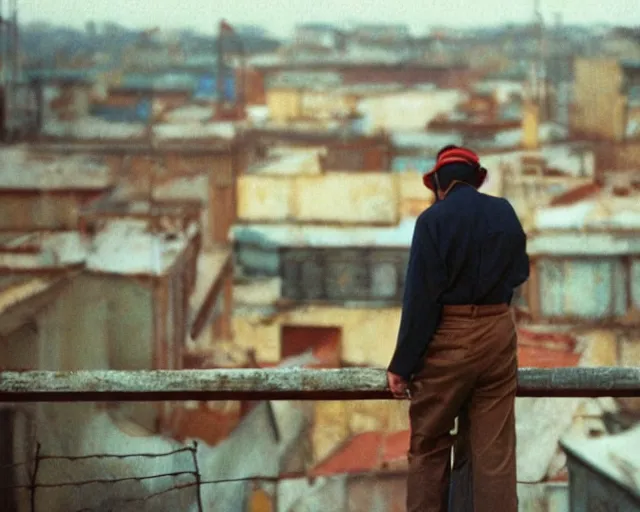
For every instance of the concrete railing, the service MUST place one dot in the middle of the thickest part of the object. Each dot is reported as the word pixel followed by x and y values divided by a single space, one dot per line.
pixel 281 384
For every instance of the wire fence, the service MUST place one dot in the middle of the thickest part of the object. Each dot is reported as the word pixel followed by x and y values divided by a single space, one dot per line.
pixel 34 471
pixel 115 501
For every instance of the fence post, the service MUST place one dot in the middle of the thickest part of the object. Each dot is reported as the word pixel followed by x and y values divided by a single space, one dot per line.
pixel 194 455
pixel 34 478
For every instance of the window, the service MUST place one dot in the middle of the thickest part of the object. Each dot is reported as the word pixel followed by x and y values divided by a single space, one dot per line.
pixel 343 274
pixel 586 288
pixel 384 280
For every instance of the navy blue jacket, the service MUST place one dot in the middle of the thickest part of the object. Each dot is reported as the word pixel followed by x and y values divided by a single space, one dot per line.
pixel 468 248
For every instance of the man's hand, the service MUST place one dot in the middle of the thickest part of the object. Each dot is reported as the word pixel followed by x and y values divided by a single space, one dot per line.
pixel 397 385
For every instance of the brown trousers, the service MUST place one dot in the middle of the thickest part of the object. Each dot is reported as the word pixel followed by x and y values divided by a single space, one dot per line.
pixel 470 367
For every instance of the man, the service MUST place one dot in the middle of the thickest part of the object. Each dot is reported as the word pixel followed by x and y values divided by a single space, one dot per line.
pixel 456 349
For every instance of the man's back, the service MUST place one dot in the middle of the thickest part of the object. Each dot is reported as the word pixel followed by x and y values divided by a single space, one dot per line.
pixel 481 244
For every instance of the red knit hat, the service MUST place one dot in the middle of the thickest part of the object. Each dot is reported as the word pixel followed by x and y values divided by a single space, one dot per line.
pixel 455 154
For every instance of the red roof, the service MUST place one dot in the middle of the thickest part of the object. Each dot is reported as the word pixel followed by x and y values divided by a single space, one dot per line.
pixel 540 357
pixel 576 194
pixel 365 452
pixel 546 349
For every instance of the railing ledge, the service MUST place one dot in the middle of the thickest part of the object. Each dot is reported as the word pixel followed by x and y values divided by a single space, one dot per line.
pixel 281 384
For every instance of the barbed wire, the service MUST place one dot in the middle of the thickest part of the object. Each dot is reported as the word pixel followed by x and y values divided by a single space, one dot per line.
pixel 197 482
pixel 115 456
pixel 80 483
pixel 33 485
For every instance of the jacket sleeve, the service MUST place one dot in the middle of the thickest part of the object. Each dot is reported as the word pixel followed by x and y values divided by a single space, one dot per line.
pixel 521 265
pixel 421 309
pixel 521 262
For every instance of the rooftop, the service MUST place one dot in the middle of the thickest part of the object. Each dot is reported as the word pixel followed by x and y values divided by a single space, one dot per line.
pixel 182 128
pixel 121 246
pixel 568 158
pixel 295 235
pixel 611 455
pixel 128 247
pixel 289 161
pixel 603 209
pixel 23 170
pixel 424 140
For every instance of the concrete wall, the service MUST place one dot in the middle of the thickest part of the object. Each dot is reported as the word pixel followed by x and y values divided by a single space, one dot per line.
pixel 19 348
pixel 336 197
pixel 326 104
pixel 368 334
pixel 170 173
pixel 284 104
pixel 414 196
pixel 100 322
pixel 407 111
pixel 24 211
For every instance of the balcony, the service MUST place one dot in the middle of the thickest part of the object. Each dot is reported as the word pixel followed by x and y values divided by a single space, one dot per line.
pixel 282 385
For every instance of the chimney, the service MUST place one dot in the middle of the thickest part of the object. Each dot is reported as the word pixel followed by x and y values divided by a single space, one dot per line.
pixel 530 125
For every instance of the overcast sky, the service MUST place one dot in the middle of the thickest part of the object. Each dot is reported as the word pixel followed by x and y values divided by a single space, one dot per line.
pixel 279 16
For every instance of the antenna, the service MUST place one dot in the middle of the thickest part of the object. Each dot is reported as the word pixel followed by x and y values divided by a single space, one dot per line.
pixel 539 66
